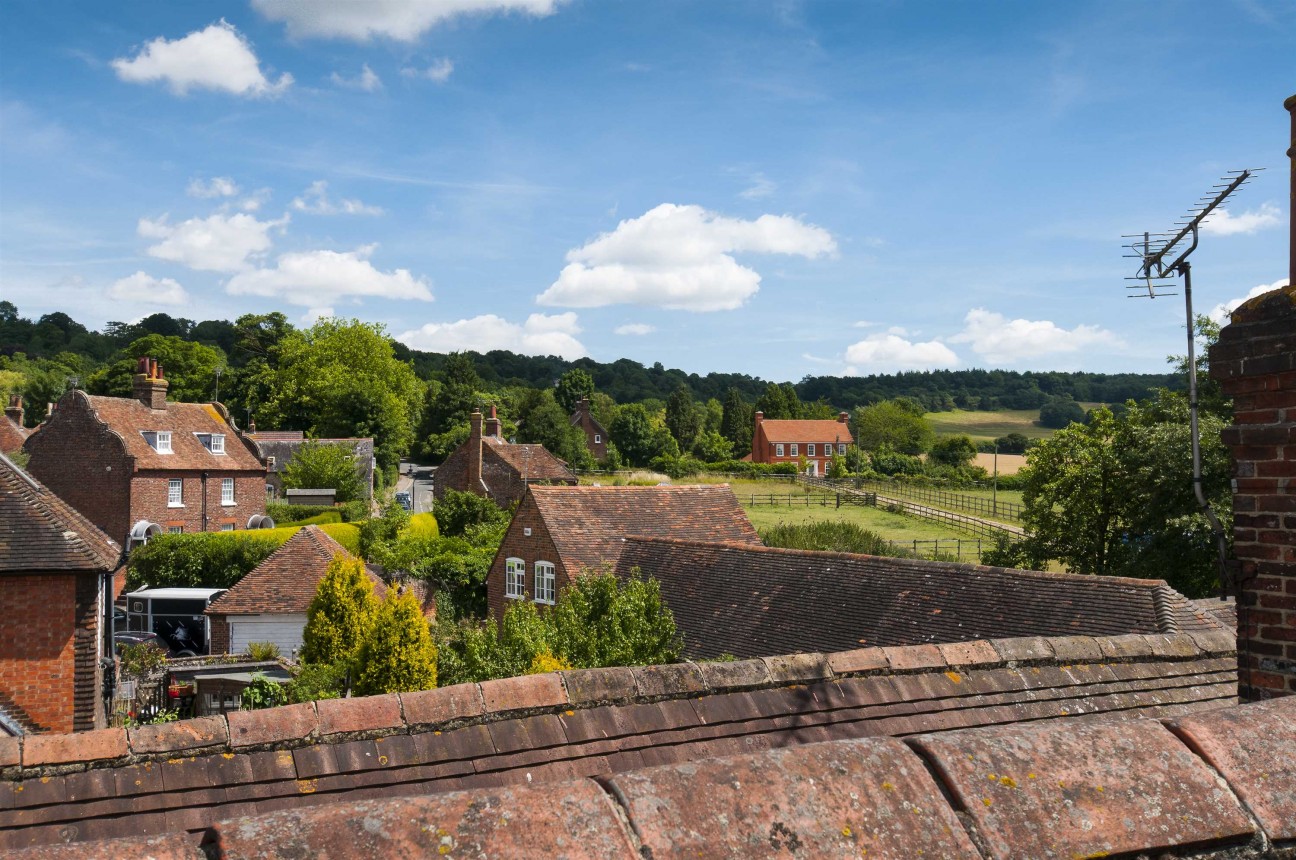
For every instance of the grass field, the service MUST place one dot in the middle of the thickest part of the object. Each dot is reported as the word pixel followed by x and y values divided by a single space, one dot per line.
pixel 988 426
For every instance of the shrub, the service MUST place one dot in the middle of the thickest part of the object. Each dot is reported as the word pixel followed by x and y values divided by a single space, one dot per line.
pixel 320 519
pixel 328 466
pixel 832 536
pixel 421 526
pixel 546 662
pixel 398 654
pixel 315 681
pixel 456 511
pixel 340 614
pixel 140 660
pixel 285 514
pixel 262 693
pixel 262 650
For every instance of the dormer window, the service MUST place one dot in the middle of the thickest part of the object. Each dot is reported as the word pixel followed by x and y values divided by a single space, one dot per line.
pixel 213 442
pixel 159 440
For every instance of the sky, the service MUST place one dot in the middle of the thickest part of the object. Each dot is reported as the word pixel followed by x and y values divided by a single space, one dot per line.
pixel 775 188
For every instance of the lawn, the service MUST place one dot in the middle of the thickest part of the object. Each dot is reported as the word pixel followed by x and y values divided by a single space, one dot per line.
pixel 988 426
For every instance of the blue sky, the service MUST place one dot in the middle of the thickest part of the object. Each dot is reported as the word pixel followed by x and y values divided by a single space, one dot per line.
pixel 774 188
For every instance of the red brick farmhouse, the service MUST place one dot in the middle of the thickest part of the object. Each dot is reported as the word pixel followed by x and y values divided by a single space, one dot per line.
pixel 814 441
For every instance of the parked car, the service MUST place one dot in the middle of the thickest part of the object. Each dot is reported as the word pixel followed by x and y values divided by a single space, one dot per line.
pixel 122 638
pixel 403 499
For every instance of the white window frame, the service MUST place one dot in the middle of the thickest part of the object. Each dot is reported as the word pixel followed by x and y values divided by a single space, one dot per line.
pixel 598 438
pixel 778 449
pixel 810 449
pixel 546 583
pixel 217 445
pixel 227 527
pixel 175 530
pixel 841 447
pixel 227 491
pixel 514 578
pixel 159 440
pixel 793 452
pixel 175 493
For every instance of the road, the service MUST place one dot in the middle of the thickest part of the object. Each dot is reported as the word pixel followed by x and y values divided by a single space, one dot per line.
pixel 417 481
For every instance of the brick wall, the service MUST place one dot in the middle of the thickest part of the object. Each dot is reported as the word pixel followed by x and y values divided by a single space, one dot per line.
pixel 1255 363
pixel 452 474
pixel 85 464
pixel 148 500
pixel 48 663
pixel 538 546
pixel 220 634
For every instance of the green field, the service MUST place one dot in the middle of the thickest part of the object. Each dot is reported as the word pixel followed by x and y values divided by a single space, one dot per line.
pixel 988 426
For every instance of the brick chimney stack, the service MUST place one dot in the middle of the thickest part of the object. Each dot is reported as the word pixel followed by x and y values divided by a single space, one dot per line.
pixel 493 424
pixel 149 385
pixel 843 417
pixel 475 454
pixel 756 435
pixel 14 411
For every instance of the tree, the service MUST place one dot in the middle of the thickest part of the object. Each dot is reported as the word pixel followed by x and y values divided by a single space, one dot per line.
pixel 190 368
pixel 1059 412
pixel 603 621
pixel 713 448
pixel 953 451
pixel 892 424
pixel 573 386
pixel 340 614
pixel 632 433
pixel 341 378
pixel 1013 443
pixel 457 512
pixel 444 425
pixel 324 466
pixel 736 421
pixel 397 655
pixel 682 418
pixel 545 423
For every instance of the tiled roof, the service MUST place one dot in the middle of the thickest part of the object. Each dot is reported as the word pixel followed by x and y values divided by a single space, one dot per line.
pixel 588 524
pixel 284 449
pixel 755 600
pixel 277 436
pixel 40 532
pixel 130 418
pixel 666 737
pixel 287 580
pixel 818 431
pixel 1223 611
pixel 533 461
pixel 11 435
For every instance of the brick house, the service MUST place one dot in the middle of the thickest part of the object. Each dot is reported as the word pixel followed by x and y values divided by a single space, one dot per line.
pixel 269 604
pixel 276 448
pixel 141 464
pixel 489 465
pixel 12 432
pixel 817 441
pixel 54 568
pixel 596 436
pixel 560 532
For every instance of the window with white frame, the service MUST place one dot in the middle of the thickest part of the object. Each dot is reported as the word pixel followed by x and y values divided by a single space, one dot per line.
pixel 546 582
pixel 514 578
pixel 810 449
pixel 841 447
pixel 227 491
pixel 227 527
pixel 794 449
pixel 175 530
pixel 778 450
pixel 159 440
pixel 175 493
pixel 214 442
pixel 598 437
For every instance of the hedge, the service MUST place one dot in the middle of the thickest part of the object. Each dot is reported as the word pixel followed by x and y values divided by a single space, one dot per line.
pixel 216 559
pixel 285 514
pixel 422 526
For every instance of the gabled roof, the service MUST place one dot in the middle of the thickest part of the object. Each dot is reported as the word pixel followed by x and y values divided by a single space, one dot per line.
pixel 130 419
pixel 588 525
pixel 286 582
pixel 11 435
pixel 575 421
pixel 755 600
pixel 532 461
pixel 283 446
pixel 41 532
pixel 804 431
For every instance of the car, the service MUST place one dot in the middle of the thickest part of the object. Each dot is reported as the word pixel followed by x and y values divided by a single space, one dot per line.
pixel 122 638
pixel 403 499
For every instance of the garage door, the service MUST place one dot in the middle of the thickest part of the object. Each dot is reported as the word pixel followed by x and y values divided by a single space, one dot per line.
pixel 283 630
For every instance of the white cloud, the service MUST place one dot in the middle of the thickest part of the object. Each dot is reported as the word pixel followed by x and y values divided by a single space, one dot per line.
pixel 439 71
pixel 315 201
pixel 541 334
pixel 367 81
pixel 146 289
pixel 678 257
pixel 634 329
pixel 217 58
pixel 760 187
pixel 864 324
pixel 402 20
pixel 885 353
pixel 998 339
pixel 311 277
pixel 1220 313
pixel 217 186
pixel 314 315
pixel 255 200
pixel 900 331
pixel 1222 222
pixel 218 243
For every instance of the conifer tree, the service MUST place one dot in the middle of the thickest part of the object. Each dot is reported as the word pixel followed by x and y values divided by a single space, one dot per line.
pixel 340 614
pixel 398 655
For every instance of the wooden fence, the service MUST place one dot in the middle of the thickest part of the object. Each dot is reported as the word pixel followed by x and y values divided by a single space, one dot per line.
pixel 942 498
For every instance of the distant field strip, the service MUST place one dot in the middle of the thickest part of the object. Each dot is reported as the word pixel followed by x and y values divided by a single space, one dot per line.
pixel 963 522
pixel 986 426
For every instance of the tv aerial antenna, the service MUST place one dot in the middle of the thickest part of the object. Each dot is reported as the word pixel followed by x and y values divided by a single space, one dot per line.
pixel 1162 258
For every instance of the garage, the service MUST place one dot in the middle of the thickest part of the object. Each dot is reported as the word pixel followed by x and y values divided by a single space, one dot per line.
pixel 283 630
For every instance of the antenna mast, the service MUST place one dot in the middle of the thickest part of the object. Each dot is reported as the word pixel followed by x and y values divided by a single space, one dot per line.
pixel 1162 257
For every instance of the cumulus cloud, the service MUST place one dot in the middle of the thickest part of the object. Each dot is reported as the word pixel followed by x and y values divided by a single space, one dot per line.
pixel 634 329
pixel 1220 313
pixel 402 20
pixel 679 257
pixel 218 243
pixel 310 278
pixel 998 339
pixel 439 71
pixel 314 315
pixel 143 287
pixel 367 81
pixel 217 58
pixel 541 334
pixel 217 186
pixel 1222 222
pixel 315 201
pixel 885 353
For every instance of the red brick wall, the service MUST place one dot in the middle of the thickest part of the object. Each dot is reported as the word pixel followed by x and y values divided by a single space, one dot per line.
pixel 1255 363
pixel 149 500
pixel 220 634
pixel 452 474
pixel 48 662
pixel 85 464
pixel 538 546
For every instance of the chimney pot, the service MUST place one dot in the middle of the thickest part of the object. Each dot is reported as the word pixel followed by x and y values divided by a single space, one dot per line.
pixel 15 409
pixel 148 386
pixel 843 417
